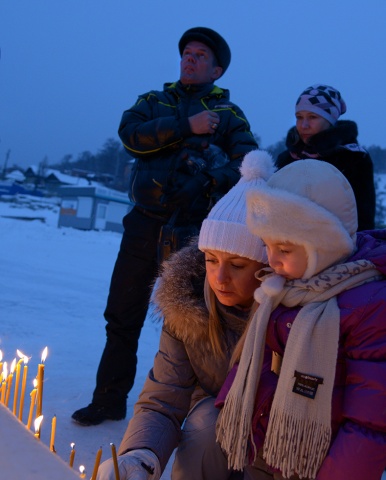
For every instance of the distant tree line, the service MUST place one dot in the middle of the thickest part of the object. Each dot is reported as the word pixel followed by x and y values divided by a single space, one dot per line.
pixel 112 161
pixel 110 165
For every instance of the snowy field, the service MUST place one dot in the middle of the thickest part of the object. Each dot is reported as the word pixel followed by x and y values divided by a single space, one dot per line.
pixel 53 284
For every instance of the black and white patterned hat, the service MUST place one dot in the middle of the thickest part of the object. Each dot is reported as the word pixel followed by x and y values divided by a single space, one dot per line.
pixel 323 100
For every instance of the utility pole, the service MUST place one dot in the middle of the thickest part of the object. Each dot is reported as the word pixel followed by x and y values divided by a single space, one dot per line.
pixel 5 163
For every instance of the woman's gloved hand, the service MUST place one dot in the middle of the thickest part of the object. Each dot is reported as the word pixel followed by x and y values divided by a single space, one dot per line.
pixel 140 464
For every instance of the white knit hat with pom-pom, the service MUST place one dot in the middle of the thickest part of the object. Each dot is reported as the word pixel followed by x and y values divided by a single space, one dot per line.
pixel 225 229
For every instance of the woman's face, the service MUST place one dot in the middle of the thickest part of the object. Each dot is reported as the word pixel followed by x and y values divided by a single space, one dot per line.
pixel 309 123
pixel 231 277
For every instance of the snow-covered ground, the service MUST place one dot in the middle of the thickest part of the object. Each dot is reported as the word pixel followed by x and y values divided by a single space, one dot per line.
pixel 53 288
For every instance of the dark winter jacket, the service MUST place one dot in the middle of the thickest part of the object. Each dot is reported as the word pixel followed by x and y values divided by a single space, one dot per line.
pixel 358 447
pixel 156 132
pixel 185 368
pixel 338 145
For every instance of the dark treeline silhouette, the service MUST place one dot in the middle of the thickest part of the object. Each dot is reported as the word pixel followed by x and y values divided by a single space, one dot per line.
pixel 111 165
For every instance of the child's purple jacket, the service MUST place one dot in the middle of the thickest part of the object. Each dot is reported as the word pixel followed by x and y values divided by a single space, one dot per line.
pixel 358 447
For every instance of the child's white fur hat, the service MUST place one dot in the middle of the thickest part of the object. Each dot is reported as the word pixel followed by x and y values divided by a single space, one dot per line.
pixel 308 203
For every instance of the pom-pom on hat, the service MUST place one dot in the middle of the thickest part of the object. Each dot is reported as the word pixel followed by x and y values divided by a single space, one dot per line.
pixel 225 228
pixel 210 38
pixel 308 203
pixel 323 100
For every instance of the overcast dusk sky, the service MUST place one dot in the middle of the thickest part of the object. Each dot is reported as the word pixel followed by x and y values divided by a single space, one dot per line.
pixel 69 69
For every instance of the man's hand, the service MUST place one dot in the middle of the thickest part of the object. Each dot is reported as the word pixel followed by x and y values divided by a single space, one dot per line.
pixel 140 464
pixel 204 122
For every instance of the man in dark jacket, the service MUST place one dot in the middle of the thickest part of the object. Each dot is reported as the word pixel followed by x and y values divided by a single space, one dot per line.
pixel 188 141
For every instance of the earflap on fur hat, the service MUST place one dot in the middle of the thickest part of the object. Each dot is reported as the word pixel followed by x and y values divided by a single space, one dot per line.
pixel 225 229
pixel 308 203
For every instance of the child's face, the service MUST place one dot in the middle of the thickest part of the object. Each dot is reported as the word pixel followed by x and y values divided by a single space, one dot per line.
pixel 287 259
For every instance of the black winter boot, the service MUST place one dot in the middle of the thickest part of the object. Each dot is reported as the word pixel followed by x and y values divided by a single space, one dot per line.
pixel 95 414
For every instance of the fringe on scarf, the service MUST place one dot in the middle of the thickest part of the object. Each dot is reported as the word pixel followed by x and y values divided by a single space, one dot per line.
pixel 234 430
pixel 296 445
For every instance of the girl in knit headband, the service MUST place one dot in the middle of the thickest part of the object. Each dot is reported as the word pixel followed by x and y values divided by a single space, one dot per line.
pixel 321 413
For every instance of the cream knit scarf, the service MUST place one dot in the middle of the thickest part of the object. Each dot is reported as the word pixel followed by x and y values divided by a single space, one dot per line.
pixel 299 429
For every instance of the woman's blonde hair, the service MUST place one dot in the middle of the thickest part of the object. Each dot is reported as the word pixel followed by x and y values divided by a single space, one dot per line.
pixel 214 322
pixel 215 331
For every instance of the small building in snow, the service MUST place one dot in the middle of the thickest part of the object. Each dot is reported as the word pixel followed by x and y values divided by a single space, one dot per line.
pixel 92 208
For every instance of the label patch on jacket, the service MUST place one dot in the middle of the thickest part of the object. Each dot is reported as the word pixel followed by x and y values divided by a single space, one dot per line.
pixel 306 385
pixel 222 106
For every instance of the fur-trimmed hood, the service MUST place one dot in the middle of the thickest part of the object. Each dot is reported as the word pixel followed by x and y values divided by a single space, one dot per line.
pixel 344 132
pixel 179 294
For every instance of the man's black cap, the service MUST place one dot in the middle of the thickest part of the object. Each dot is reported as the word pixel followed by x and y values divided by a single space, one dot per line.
pixel 211 39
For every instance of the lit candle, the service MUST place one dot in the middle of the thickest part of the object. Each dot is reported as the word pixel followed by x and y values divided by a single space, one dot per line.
pixel 72 455
pixel 82 471
pixel 40 376
pixel 9 381
pixel 3 386
pixel 37 424
pixel 115 461
pixel 23 385
pixel 32 404
pixel 53 431
pixel 4 382
pixel 17 381
pixel 96 464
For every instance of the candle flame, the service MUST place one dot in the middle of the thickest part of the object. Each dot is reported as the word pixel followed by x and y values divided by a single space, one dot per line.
pixel 5 370
pixel 82 469
pixel 72 445
pixel 25 360
pixel 44 354
pixel 37 423
pixel 1 355
pixel 35 383
pixel 13 365
pixel 20 354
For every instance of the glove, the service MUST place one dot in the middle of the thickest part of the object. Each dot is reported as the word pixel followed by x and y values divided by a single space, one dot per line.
pixel 140 464
pixel 186 194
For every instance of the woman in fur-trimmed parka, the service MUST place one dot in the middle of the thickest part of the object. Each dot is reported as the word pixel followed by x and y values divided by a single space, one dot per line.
pixel 319 134
pixel 205 297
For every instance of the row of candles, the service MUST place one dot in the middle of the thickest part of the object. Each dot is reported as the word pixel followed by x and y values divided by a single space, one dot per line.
pixel 7 381
pixel 36 395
